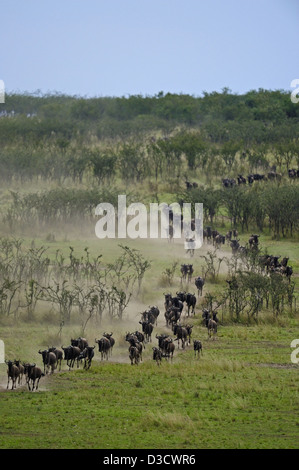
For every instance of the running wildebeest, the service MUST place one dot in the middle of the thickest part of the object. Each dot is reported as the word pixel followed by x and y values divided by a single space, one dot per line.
pixel 87 354
pixel 58 354
pixel 181 334
pixel 157 355
pixel 104 346
pixel 71 354
pixel 197 346
pixel 184 272
pixel 199 283
pixel 191 302
pixel 21 369
pixel 13 373
pixel 134 355
pixel 112 341
pixel 81 343
pixel 33 374
pixel 147 329
pixel 133 340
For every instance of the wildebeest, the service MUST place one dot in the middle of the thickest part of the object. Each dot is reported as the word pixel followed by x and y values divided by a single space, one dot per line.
pixel 134 355
pixel 228 182
pixel 219 239
pixel 189 332
pixel 147 329
pixel 112 341
pixel 184 272
pixel 87 354
pixel 197 346
pixel 104 346
pixel 172 316
pixel 13 373
pixel 133 340
pixel 210 323
pixel 199 283
pixel 141 338
pixel 49 360
pixel 181 296
pixel 71 354
pixel 191 303
pixel 58 354
pixel 212 327
pixel 33 374
pixel 81 343
pixel 153 312
pixel 241 179
pixel 234 244
pixel 253 241
pixel 21 369
pixel 181 334
pixel 190 272
pixel 157 355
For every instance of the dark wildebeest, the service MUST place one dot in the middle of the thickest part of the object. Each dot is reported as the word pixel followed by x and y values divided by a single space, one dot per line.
pixel 181 296
pixel 209 234
pixel 58 354
pixel 134 355
pixel 141 338
pixel 197 346
pixel 219 239
pixel 184 272
pixel 157 355
pixel 167 300
pixel 147 329
pixel 228 182
pixel 49 360
pixel 133 340
pixel 176 302
pixel 191 302
pixel 13 373
pixel 44 354
pixel 172 316
pixel 87 354
pixel 21 369
pixel 104 346
pixel 212 327
pixel 234 244
pixel 154 312
pixel 189 332
pixel 81 343
pixel 181 334
pixel 112 341
pixel 33 374
pixel 190 272
pixel 241 179
pixel 169 348
pixel 199 283
pixel 253 241
pixel 71 354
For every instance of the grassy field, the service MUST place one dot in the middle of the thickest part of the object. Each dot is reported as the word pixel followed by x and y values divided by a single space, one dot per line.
pixel 242 393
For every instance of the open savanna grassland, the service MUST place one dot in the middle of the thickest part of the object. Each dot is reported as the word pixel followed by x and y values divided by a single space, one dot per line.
pixel 241 393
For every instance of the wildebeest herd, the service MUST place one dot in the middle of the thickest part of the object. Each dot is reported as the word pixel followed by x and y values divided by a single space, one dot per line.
pixel 80 352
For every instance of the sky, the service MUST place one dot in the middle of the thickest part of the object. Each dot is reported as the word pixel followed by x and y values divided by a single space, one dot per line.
pixel 127 47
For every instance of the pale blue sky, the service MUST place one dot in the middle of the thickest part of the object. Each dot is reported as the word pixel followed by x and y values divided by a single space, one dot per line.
pixel 125 47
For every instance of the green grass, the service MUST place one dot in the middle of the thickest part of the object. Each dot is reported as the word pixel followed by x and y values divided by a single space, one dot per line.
pixel 242 393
